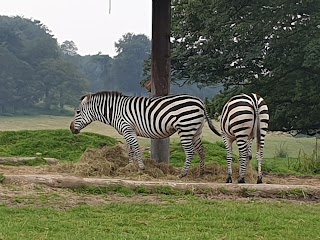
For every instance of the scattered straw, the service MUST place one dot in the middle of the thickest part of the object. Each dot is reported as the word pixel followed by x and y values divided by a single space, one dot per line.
pixel 114 162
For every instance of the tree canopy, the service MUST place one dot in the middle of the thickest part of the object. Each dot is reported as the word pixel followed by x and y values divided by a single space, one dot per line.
pixel 33 73
pixel 271 47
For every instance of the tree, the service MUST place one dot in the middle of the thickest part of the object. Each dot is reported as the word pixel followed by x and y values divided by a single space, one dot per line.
pixel 69 48
pixel 62 84
pixel 127 70
pixel 269 47
pixel 32 71
pixel 96 68
pixel 17 83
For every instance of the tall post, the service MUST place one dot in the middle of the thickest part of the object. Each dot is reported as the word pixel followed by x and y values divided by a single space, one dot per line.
pixel 161 65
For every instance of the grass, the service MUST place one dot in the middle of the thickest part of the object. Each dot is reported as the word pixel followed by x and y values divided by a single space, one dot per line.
pixel 215 153
pixel 130 191
pixel 36 162
pixel 292 145
pixel 60 144
pixel 187 219
pixel 63 145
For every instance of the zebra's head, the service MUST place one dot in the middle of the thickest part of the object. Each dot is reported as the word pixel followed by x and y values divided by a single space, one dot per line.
pixel 83 115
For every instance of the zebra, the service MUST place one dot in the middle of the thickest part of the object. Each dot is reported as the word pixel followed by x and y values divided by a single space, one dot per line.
pixel 244 117
pixel 149 117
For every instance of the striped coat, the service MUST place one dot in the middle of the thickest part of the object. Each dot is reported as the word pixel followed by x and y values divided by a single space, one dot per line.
pixel 155 117
pixel 244 118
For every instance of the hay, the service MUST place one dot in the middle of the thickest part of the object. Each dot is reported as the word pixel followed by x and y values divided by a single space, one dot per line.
pixel 114 162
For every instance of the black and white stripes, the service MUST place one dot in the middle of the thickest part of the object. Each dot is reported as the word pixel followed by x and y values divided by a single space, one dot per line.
pixel 244 117
pixel 156 118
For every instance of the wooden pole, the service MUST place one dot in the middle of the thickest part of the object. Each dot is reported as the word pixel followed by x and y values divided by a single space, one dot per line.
pixel 161 65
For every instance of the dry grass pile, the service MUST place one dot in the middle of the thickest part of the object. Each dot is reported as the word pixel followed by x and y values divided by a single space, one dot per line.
pixel 114 162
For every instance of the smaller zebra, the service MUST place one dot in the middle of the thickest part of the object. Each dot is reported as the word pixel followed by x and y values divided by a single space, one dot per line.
pixel 155 117
pixel 244 117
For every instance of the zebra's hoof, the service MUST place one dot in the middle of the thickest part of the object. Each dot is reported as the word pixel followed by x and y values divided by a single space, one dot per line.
pixel 229 180
pixel 259 180
pixel 181 175
pixel 241 180
pixel 142 168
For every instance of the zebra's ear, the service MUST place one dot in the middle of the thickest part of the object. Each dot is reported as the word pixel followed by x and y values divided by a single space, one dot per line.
pixel 85 98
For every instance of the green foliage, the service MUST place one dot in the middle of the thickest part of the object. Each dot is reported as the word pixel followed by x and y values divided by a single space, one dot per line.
pixel 303 165
pixel 267 47
pixel 127 70
pixel 34 75
pixel 308 163
pixel 60 144
pixel 96 68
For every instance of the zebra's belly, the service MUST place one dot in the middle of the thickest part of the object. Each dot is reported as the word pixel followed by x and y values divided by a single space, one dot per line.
pixel 155 134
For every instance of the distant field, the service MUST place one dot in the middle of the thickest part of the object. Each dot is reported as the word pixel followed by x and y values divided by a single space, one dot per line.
pixel 293 146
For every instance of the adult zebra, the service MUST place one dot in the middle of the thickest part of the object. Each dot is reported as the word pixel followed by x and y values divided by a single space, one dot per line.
pixel 157 117
pixel 244 117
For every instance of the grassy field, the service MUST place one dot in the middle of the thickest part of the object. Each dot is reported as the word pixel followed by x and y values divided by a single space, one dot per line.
pixel 36 212
pixel 57 143
pixel 169 218
pixel 274 143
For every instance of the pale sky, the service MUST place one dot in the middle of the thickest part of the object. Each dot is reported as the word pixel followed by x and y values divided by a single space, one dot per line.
pixel 86 22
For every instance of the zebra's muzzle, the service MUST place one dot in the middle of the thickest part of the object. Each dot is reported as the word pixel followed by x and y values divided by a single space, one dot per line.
pixel 73 129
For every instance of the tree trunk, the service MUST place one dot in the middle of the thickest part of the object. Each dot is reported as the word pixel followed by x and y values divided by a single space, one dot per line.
pixel 161 21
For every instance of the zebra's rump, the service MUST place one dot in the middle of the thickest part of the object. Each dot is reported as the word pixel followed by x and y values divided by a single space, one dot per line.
pixel 239 115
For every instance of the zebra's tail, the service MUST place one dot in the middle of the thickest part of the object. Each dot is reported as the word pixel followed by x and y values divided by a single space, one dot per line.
pixel 213 129
pixel 257 124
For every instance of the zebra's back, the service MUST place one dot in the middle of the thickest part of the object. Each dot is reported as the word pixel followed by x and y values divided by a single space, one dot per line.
pixel 159 117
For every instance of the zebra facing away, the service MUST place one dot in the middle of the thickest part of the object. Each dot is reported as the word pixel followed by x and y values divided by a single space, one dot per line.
pixel 244 117
pixel 155 117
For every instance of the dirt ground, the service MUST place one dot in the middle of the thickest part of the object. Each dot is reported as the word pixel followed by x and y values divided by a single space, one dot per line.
pixel 50 185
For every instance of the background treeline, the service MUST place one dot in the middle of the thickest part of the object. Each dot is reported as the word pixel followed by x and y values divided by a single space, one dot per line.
pixel 38 75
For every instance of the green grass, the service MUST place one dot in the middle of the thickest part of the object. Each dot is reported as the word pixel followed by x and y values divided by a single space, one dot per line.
pixel 215 152
pixel 60 144
pixel 187 219
pixel 63 145
pixel 36 162
pixel 292 145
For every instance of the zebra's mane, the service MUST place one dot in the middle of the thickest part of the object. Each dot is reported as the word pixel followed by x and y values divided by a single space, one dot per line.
pixel 110 93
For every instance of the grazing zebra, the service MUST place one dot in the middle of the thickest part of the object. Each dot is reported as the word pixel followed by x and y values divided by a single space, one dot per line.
pixel 157 117
pixel 244 117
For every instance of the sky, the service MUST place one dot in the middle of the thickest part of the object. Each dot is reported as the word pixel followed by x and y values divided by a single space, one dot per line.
pixel 86 22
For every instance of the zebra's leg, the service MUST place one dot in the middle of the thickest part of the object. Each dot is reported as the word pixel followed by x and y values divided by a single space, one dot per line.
pixel 198 146
pixel 228 144
pixel 189 151
pixel 131 137
pixel 250 149
pixel 260 160
pixel 243 152
pixel 131 154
